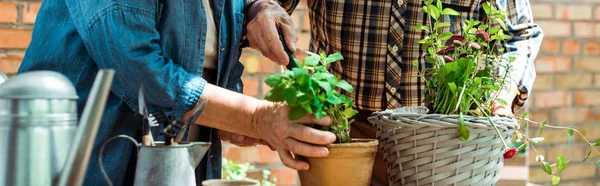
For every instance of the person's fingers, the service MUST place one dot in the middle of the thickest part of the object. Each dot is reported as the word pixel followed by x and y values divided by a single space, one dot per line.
pixel 305 149
pixel 289 161
pixel 312 119
pixel 275 46
pixel 289 35
pixel 310 135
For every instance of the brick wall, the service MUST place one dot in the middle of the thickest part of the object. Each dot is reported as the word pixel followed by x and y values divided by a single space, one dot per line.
pixel 567 89
pixel 566 92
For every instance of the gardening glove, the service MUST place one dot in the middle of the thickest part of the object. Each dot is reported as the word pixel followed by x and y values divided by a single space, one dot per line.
pixel 264 18
pixel 238 139
pixel 271 121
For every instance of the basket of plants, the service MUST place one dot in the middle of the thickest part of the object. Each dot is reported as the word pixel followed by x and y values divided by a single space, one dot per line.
pixel 456 139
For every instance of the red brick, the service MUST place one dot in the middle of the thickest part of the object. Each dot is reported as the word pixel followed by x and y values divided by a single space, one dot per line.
pixel 578 172
pixel 551 46
pixel 587 29
pixel 586 64
pixel 552 99
pixel 9 63
pixel 30 11
pixel 266 155
pixel 597 81
pixel 571 47
pixel 233 154
pixel 587 98
pixel 555 28
pixel 597 12
pixel 574 12
pixel 573 81
pixel 256 63
pixel 570 116
pixel 553 64
pixel 303 41
pixel 285 176
pixel 15 38
pixel 250 86
pixel 306 25
pixel 8 12
pixel 539 116
pixel 543 82
pixel 591 48
pixel 591 133
pixel 542 11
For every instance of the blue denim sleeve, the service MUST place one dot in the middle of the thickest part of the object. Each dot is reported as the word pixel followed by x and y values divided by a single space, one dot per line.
pixel 125 39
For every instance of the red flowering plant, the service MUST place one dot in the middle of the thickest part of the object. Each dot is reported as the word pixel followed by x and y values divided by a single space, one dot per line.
pixel 465 74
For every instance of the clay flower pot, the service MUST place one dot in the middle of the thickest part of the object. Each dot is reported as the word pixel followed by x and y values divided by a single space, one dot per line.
pixel 348 164
pixel 216 182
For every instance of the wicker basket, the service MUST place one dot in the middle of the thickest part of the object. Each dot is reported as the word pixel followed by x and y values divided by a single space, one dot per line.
pixel 424 149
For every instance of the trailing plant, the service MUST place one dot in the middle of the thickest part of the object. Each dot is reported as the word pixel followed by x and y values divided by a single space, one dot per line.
pixel 465 74
pixel 311 89
pixel 238 171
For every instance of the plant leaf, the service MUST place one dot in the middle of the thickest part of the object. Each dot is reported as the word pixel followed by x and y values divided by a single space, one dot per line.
pixel 597 142
pixel 439 4
pixel 598 163
pixel 325 85
pixel 345 85
pixel 275 95
pixel 290 95
pixel 525 114
pixel 555 179
pixel 537 140
pixel 486 8
pixel 273 80
pixel 547 168
pixel 420 27
pixel 445 36
pixel 588 154
pixel 501 22
pixel 570 132
pixel 449 11
pixel 296 113
pixel 453 87
pixel 561 164
pixel 542 126
pixel 442 24
pixel 463 130
pixel 331 98
pixel 333 58
pixel 501 101
pixel 312 60
pixel 434 12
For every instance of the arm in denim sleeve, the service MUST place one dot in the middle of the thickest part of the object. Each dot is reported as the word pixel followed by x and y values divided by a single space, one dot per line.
pixel 125 39
pixel 288 5
pixel 524 45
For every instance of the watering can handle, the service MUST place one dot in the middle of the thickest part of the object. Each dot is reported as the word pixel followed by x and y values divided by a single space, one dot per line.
pixel 106 178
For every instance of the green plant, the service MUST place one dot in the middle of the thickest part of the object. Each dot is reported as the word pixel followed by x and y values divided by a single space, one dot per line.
pixel 310 89
pixel 238 171
pixel 464 76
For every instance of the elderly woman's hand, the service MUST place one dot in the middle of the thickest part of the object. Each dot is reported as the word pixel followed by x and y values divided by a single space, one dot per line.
pixel 265 18
pixel 271 121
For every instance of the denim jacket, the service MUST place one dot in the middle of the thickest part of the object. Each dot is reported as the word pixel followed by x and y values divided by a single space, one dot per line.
pixel 155 43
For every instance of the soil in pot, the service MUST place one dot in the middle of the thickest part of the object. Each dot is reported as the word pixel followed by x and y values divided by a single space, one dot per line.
pixel 216 182
pixel 348 164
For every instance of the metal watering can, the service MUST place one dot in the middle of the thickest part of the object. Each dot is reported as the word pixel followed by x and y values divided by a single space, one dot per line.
pixel 41 142
pixel 163 163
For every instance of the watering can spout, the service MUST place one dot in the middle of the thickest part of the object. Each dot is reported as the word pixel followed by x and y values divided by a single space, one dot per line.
pixel 197 151
pixel 77 160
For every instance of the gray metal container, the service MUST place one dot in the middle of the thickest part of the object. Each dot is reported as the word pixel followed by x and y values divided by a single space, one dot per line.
pixel 38 118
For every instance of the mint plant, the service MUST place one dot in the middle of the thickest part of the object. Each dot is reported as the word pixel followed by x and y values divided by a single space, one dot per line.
pixel 239 171
pixel 311 89
pixel 464 74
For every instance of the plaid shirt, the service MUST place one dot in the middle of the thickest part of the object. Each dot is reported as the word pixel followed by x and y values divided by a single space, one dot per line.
pixel 375 38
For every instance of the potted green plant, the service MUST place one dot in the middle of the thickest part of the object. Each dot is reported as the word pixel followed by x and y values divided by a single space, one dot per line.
pixel 455 138
pixel 311 89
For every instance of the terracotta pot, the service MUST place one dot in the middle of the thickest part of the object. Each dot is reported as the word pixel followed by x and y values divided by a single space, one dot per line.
pixel 348 164
pixel 216 182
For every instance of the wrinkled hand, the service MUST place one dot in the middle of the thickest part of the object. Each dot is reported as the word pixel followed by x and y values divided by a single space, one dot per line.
pixel 271 122
pixel 238 139
pixel 265 18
